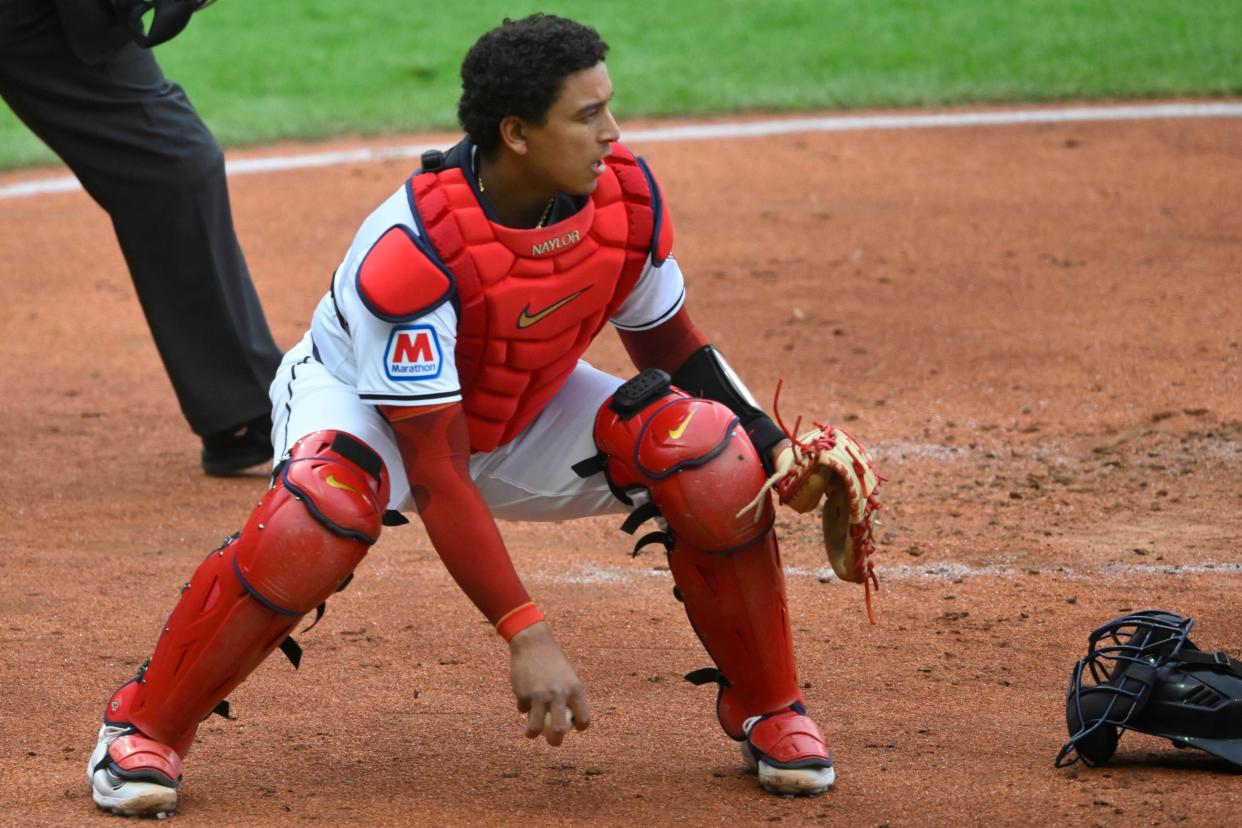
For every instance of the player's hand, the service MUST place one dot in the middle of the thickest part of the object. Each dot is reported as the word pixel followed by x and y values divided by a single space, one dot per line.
pixel 545 685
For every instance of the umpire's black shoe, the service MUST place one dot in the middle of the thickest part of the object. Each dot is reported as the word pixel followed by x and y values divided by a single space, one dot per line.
pixel 232 451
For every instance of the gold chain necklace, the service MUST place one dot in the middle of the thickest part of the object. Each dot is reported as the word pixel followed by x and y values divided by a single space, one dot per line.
pixel 547 211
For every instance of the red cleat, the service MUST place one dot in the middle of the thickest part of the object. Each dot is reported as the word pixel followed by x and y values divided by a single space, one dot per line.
pixel 131 774
pixel 788 752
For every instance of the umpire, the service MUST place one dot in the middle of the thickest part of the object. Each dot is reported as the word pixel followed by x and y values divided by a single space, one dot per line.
pixel 79 73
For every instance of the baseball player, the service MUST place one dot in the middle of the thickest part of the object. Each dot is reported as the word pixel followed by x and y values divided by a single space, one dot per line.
pixel 441 374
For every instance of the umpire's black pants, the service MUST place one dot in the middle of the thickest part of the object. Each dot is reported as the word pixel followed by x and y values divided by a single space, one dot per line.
pixel 141 151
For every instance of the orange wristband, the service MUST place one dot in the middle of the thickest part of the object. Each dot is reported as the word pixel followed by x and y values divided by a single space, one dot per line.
pixel 518 619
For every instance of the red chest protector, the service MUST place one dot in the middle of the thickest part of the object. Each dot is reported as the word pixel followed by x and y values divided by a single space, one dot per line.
pixel 531 301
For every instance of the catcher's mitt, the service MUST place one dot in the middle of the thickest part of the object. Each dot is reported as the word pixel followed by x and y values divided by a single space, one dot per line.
pixel 826 462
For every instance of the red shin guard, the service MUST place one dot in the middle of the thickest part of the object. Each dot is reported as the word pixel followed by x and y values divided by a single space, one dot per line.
pixel 306 536
pixel 701 470
pixel 736 604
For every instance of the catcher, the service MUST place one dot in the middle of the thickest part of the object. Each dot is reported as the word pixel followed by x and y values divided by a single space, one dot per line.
pixel 441 375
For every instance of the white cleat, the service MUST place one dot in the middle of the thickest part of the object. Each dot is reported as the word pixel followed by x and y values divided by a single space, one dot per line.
pixel 131 774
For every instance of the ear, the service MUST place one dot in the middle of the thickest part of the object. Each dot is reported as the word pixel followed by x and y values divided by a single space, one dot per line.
pixel 513 134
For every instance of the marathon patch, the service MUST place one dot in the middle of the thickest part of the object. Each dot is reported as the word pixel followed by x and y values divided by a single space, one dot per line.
pixel 413 354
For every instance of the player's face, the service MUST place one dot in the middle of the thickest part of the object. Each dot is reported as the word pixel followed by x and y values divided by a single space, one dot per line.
pixel 567 150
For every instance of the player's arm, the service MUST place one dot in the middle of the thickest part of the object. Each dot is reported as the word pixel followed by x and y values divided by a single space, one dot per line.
pixel 435 448
pixel 678 347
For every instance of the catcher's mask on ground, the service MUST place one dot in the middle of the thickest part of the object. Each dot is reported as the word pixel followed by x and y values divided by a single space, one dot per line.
pixel 1143 673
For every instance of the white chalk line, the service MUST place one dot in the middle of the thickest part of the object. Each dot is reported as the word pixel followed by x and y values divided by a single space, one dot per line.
pixel 593 573
pixel 1054 451
pixel 724 130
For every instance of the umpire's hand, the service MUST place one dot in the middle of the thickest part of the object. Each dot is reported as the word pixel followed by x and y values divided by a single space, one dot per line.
pixel 546 686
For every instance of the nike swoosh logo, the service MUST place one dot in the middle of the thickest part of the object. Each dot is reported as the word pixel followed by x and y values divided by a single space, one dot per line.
pixel 526 319
pixel 676 433
pixel 336 484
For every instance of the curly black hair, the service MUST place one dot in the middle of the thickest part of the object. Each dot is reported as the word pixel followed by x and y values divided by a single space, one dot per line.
pixel 518 68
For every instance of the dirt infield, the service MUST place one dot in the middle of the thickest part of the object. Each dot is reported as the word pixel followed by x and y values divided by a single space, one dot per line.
pixel 1037 328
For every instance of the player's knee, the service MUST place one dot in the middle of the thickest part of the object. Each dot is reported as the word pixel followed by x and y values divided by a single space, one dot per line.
pixel 316 523
pixel 691 454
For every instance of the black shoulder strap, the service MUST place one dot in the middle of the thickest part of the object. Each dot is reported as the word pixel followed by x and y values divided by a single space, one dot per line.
pixel 437 160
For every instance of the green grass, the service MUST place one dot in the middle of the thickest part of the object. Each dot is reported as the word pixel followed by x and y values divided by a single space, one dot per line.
pixel 259 70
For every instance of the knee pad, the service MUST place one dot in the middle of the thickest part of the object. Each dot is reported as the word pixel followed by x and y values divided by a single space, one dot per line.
pixel 315 524
pixel 690 454
pixel 301 543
